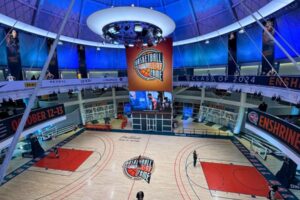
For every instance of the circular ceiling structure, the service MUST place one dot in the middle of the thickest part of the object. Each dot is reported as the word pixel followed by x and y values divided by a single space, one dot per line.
pixel 98 20
pixel 131 25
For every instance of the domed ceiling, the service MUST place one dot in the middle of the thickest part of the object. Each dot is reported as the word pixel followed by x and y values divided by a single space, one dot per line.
pixel 192 17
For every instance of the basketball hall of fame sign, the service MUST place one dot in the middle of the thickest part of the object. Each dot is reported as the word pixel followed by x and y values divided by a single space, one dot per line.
pixel 150 68
pixel 140 167
pixel 149 65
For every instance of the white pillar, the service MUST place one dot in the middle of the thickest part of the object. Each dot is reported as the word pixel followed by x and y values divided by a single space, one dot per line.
pixel 81 108
pixel 114 102
pixel 241 114
pixel 201 103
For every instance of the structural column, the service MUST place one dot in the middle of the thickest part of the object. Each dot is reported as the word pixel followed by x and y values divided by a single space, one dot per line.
pixel 241 114
pixel 114 102
pixel 201 103
pixel 81 108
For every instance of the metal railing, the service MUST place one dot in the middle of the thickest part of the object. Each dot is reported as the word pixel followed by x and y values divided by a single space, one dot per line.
pixel 204 132
pixel 54 132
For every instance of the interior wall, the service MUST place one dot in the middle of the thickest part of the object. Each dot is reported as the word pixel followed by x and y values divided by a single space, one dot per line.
pixel 68 74
pixel 212 71
pixel 30 73
pixel 289 69
pixel 249 70
pixel 102 74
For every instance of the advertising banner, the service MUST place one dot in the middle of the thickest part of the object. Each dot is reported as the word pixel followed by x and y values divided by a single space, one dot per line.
pixel 53 65
pixel 13 55
pixel 232 67
pixel 150 68
pixel 9 126
pixel 82 63
pixel 268 48
pixel 282 131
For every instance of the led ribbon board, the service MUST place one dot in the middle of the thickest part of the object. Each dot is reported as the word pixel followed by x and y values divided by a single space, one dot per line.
pixel 286 135
pixel 150 68
pixel 9 126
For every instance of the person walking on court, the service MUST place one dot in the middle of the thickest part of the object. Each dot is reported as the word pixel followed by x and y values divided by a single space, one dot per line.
pixel 195 156
pixel 55 150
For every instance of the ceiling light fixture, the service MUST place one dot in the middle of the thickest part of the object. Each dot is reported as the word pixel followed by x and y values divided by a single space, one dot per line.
pixel 131 25
pixel 242 31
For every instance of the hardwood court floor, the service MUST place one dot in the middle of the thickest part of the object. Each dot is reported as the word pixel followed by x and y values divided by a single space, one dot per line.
pixel 101 175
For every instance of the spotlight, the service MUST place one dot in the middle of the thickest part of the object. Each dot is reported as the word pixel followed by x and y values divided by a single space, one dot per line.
pixel 207 42
pixel 60 43
pixel 114 29
pixel 138 28
pixel 131 45
pixel 98 49
pixel 158 33
pixel 242 31
pixel 132 5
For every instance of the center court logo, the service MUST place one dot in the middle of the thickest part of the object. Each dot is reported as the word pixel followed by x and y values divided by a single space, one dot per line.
pixel 149 65
pixel 138 168
pixel 253 117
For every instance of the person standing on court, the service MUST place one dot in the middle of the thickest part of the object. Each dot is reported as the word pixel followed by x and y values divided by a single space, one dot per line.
pixel 195 156
pixel 55 150
pixel 140 195
pixel 272 192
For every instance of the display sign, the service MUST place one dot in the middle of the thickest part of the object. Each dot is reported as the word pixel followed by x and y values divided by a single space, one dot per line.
pixel 13 86
pixel 291 82
pixel 13 54
pixel 9 126
pixel 150 68
pixel 283 131
pixel 268 47
pixel 232 67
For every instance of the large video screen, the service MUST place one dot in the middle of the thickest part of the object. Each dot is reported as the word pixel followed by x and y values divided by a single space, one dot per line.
pixel 150 101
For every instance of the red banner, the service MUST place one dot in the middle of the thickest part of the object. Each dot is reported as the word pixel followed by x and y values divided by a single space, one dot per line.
pixel 150 68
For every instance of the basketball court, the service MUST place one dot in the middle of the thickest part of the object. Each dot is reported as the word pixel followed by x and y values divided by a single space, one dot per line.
pixel 91 167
